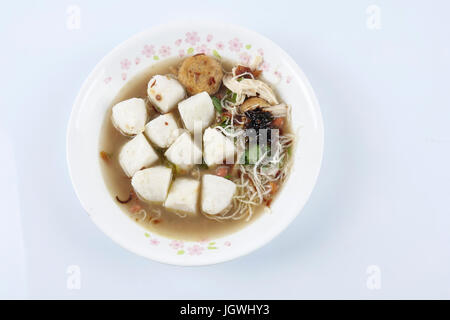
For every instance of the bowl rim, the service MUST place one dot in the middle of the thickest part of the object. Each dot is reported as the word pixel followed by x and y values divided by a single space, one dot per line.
pixel 205 24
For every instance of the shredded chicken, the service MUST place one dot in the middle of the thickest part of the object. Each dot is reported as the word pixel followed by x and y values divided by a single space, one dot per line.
pixel 278 111
pixel 249 87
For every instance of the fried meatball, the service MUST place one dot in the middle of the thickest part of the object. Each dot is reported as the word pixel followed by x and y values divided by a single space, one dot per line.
pixel 252 103
pixel 200 73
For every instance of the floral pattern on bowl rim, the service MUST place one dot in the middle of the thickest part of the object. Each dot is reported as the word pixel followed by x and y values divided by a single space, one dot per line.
pixel 192 44
pixel 181 247
pixel 179 40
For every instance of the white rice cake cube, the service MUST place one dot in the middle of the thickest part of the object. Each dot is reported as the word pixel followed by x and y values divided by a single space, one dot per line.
pixel 165 92
pixel 130 116
pixel 184 152
pixel 217 193
pixel 136 154
pixel 217 148
pixel 183 196
pixel 152 184
pixel 197 111
pixel 163 130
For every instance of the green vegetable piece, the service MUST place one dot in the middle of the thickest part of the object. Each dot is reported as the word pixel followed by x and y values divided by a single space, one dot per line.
pixel 254 153
pixel 217 104
pixel 224 121
pixel 231 96
pixel 289 151
pixel 216 54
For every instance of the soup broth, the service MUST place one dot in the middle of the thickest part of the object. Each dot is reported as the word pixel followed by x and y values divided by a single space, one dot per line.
pixel 155 217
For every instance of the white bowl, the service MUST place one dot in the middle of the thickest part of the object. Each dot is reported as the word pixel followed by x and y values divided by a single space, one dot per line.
pixel 150 47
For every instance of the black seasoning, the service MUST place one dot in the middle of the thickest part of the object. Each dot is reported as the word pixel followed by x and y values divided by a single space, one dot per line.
pixel 258 119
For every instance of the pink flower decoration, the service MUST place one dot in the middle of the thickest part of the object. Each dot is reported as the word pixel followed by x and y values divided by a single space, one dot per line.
pixel 148 51
pixel 227 243
pixel 176 244
pixel 245 58
pixel 235 45
pixel 178 42
pixel 288 79
pixel 265 66
pixel 220 45
pixel 124 76
pixel 107 80
pixel 278 74
pixel 203 49
pixel 137 61
pixel 192 38
pixel 209 38
pixel 181 53
pixel 125 64
pixel 154 242
pixel 164 51
pixel 260 52
pixel 195 250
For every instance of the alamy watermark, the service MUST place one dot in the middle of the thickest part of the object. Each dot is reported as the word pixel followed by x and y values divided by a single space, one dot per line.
pixel 373 21
pixel 73 281
pixel 253 145
pixel 373 281
pixel 73 20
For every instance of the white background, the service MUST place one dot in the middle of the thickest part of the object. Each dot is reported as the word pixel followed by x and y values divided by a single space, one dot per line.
pixel 382 197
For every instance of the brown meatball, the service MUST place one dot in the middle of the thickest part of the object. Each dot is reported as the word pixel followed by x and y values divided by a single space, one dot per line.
pixel 252 103
pixel 201 73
